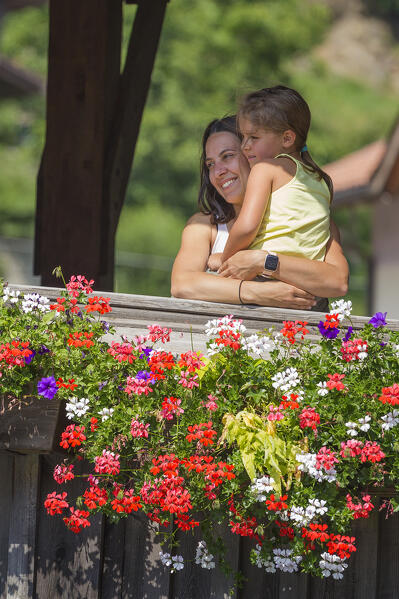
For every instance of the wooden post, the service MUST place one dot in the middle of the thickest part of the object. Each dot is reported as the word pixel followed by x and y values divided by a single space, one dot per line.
pixel 93 120
pixel 83 77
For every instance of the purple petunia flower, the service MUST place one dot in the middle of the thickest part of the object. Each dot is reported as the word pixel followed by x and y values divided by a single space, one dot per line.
pixel 143 375
pixel 348 334
pixel 43 350
pixel 146 352
pixel 328 333
pixel 29 358
pixel 105 325
pixel 47 387
pixel 378 320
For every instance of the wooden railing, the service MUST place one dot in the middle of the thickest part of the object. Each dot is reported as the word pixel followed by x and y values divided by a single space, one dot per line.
pixel 40 558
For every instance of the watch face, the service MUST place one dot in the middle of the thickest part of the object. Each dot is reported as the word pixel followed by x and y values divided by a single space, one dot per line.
pixel 271 262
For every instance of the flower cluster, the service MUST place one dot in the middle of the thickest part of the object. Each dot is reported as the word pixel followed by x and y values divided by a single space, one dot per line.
pixel 281 438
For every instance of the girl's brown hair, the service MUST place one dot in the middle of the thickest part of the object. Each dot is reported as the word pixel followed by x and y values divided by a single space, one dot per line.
pixel 209 200
pixel 280 108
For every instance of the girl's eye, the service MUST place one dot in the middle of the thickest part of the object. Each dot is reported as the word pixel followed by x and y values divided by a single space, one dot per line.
pixel 228 155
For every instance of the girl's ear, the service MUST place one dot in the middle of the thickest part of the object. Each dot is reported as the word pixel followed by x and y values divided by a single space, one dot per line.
pixel 289 138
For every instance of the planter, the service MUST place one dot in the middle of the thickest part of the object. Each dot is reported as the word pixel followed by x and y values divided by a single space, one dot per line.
pixel 32 426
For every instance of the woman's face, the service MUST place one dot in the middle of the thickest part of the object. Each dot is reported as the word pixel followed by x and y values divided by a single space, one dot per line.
pixel 228 167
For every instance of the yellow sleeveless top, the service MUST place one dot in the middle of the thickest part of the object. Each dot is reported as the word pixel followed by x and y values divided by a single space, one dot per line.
pixel 297 219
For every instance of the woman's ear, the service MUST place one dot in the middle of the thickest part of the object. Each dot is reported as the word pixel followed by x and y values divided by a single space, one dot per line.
pixel 289 138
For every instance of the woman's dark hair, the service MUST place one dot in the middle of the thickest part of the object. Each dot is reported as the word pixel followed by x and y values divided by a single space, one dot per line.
pixel 209 200
pixel 280 108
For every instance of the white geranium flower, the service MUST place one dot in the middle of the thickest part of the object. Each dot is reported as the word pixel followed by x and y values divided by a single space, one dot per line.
pixel 76 407
pixel 203 558
pixel 286 380
pixel 322 389
pixel 364 423
pixel 342 308
pixel 106 413
pixel 352 428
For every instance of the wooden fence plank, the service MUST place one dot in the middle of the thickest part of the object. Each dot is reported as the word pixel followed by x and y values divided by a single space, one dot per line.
pixel 6 477
pixel 113 558
pixel 293 586
pixel 192 582
pixel 361 576
pixel 156 580
pixel 68 564
pixel 144 577
pixel 222 586
pixel 388 558
pixel 258 584
pixel 22 533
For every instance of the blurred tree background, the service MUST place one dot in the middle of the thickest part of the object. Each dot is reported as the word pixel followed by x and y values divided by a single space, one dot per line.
pixel 211 52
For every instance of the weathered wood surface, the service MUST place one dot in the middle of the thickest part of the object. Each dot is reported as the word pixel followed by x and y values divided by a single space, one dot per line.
pixel 33 426
pixel 40 558
pixel 132 313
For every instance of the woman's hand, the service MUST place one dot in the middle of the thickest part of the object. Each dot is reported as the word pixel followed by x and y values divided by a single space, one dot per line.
pixel 245 265
pixel 276 294
pixel 215 261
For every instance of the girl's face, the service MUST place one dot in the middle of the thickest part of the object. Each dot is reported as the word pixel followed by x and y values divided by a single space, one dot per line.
pixel 261 144
pixel 228 168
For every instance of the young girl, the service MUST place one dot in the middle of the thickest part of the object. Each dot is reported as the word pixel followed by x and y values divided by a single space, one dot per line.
pixel 287 199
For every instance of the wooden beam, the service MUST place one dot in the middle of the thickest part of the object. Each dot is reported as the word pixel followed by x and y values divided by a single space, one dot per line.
pixel 83 78
pixel 134 88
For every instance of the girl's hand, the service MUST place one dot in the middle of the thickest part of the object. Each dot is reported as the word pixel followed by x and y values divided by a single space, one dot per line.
pixel 245 265
pixel 215 261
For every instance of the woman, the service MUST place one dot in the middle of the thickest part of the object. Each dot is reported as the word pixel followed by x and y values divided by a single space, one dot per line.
pixel 296 283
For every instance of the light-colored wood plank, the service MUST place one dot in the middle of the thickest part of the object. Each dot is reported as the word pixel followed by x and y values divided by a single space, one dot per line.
pixel 6 476
pixel 22 532
pixel 146 306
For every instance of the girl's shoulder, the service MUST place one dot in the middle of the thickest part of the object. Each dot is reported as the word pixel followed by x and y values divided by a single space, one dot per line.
pixel 274 167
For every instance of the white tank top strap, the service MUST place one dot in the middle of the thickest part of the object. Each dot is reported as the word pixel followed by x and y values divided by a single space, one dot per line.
pixel 221 239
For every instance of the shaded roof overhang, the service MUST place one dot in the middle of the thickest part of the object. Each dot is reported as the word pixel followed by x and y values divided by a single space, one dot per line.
pixel 15 82
pixel 364 175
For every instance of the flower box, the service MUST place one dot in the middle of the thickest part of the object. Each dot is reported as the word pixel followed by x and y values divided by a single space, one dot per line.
pixel 32 425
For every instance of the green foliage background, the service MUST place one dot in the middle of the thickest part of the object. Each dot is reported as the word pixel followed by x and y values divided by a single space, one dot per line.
pixel 211 52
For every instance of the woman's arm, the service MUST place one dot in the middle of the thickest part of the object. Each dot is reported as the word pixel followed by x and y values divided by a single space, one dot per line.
pixel 324 279
pixel 257 194
pixel 189 280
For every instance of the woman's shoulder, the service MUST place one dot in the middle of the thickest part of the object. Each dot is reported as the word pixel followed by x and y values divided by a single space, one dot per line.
pixel 200 218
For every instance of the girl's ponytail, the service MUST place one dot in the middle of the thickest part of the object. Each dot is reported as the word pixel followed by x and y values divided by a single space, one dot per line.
pixel 312 166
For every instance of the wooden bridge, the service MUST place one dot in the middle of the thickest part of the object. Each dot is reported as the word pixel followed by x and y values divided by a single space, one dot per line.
pixel 40 558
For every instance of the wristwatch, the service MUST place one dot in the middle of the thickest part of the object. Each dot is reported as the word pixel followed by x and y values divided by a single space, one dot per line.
pixel 271 264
